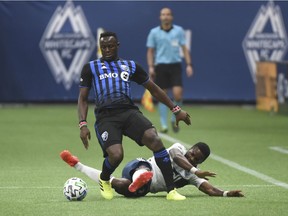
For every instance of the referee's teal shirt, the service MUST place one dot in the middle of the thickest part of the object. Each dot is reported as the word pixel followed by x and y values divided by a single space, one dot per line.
pixel 166 44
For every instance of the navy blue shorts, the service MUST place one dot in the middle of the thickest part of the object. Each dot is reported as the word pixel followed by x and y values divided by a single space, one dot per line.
pixel 129 170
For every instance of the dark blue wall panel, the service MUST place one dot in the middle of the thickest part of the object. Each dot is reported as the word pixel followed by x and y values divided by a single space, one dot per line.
pixel 221 70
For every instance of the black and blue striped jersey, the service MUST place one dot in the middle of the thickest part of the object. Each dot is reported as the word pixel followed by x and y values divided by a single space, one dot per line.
pixel 111 81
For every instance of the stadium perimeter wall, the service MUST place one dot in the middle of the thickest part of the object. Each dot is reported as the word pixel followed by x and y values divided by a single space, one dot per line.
pixel 45 44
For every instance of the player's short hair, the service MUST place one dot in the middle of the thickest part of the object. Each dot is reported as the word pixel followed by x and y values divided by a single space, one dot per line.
pixel 108 34
pixel 204 148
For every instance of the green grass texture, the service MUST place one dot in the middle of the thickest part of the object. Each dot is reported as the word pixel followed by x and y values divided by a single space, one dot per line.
pixel 33 174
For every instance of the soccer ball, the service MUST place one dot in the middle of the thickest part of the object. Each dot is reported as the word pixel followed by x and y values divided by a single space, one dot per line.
pixel 75 189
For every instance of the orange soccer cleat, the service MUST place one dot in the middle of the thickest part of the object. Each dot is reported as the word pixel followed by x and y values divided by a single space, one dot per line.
pixel 141 180
pixel 70 159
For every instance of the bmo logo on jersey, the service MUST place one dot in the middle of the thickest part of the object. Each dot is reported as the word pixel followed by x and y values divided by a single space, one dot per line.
pixel 109 75
pixel 123 75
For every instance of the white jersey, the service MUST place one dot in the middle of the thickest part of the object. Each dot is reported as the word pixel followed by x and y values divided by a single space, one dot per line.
pixel 181 176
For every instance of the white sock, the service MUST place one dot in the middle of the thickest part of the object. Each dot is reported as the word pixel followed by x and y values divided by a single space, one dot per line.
pixel 111 179
pixel 137 173
pixel 89 171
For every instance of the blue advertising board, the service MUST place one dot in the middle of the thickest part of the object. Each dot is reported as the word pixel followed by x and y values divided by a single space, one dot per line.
pixel 44 44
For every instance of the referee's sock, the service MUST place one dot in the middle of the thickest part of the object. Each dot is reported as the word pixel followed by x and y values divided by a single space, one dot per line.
pixel 163 161
pixel 163 112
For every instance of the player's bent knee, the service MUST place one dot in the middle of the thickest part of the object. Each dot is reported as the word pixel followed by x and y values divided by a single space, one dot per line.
pixel 117 159
pixel 115 153
pixel 152 140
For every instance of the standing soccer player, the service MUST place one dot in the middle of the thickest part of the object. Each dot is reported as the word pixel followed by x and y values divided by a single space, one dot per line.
pixel 164 62
pixel 117 115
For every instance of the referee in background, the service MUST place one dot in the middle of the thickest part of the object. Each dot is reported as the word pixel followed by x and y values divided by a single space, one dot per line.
pixel 164 62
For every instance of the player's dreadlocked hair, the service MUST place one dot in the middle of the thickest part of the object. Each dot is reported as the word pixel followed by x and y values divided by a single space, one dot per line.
pixel 204 148
pixel 107 34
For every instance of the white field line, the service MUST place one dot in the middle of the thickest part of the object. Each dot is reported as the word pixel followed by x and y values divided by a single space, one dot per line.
pixel 39 187
pixel 95 187
pixel 279 149
pixel 232 164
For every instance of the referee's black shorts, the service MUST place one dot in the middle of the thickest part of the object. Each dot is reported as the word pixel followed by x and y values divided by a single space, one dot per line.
pixel 168 75
pixel 112 124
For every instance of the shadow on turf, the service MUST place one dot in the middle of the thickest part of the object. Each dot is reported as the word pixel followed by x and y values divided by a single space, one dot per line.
pixel 93 199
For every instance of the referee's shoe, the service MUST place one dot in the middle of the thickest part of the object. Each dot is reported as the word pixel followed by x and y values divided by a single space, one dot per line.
pixel 174 127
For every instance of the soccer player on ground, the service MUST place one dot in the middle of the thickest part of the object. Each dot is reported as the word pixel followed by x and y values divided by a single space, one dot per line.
pixel 117 115
pixel 141 176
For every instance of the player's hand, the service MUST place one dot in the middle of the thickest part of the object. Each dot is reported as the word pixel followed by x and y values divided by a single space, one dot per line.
pixel 85 135
pixel 183 116
pixel 204 174
pixel 235 193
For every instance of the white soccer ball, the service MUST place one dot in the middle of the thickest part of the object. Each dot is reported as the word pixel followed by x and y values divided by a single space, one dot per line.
pixel 75 189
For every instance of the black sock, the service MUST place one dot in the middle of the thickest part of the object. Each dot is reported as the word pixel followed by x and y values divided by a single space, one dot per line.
pixel 107 170
pixel 163 161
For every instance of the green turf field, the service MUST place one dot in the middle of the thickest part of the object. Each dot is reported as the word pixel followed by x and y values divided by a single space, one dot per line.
pixel 32 173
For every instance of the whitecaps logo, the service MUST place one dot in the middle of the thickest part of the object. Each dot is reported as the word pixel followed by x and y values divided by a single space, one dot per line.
pixel 266 38
pixel 67 43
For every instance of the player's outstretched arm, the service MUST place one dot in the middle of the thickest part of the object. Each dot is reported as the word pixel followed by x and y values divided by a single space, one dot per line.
pixel 183 162
pixel 161 96
pixel 204 174
pixel 209 189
